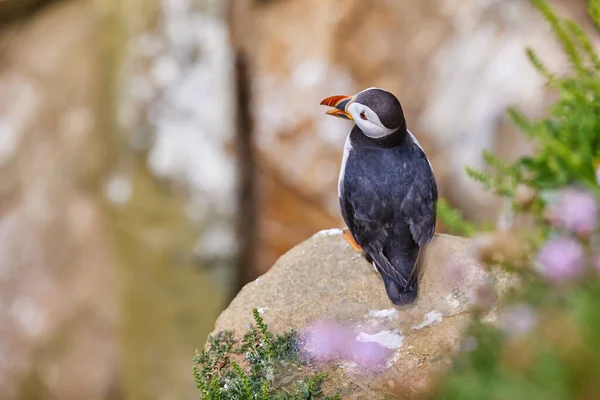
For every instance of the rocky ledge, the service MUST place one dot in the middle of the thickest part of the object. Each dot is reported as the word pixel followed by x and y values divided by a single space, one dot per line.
pixel 324 286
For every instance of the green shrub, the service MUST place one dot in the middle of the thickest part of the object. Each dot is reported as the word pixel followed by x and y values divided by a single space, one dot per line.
pixel 274 368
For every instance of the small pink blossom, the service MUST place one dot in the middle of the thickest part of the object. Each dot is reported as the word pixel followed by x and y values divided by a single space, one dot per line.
pixel 469 344
pixel 518 319
pixel 325 340
pixel 367 354
pixel 328 341
pixel 560 259
pixel 575 210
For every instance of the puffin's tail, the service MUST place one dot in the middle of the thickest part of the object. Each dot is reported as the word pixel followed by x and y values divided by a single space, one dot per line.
pixel 396 292
pixel 402 284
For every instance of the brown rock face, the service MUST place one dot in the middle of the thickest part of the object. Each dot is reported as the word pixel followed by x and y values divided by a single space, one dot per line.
pixel 57 272
pixel 455 65
pixel 98 271
pixel 10 9
pixel 323 278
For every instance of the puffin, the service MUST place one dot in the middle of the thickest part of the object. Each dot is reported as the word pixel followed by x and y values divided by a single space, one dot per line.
pixel 386 189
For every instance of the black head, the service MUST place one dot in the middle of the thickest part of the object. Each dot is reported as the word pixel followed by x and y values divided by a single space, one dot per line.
pixel 377 112
pixel 385 105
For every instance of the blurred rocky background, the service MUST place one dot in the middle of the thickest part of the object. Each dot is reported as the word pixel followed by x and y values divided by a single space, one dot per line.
pixel 156 155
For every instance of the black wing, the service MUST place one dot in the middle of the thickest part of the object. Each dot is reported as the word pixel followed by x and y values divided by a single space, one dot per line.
pixel 390 220
pixel 419 205
pixel 419 210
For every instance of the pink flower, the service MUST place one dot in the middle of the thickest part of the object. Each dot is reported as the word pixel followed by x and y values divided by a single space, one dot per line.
pixel 328 341
pixel 517 319
pixel 367 354
pixel 560 259
pixel 575 210
pixel 469 344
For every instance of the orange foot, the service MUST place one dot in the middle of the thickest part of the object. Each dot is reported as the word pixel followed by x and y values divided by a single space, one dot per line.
pixel 351 241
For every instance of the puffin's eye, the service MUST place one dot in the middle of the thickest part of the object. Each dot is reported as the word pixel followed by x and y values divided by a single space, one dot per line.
pixel 363 116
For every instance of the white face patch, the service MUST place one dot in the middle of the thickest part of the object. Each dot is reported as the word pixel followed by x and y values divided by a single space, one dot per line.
pixel 372 126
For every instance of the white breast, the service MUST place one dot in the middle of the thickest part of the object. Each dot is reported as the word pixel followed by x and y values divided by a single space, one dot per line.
pixel 347 148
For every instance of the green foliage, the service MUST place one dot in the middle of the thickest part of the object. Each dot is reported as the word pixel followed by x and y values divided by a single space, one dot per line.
pixel 568 140
pixel 504 182
pixel 557 356
pixel 556 360
pixel 274 368
pixel 453 221
pixel 594 11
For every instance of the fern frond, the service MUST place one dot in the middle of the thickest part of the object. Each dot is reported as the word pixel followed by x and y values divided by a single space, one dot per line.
pixel 480 177
pixel 540 67
pixel 199 382
pixel 247 386
pixel 563 37
pixel 453 220
pixel 594 11
pixel 491 160
pixel 584 42
pixel 520 120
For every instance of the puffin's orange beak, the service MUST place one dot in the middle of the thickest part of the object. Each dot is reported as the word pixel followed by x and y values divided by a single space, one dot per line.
pixel 340 104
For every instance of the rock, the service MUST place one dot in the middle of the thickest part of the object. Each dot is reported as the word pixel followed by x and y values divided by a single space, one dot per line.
pixel 324 279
